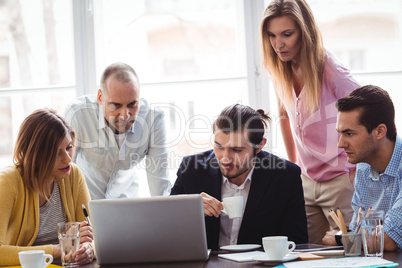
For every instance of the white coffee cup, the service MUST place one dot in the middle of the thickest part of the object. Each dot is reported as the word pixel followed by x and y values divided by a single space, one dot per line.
pixel 34 259
pixel 277 247
pixel 233 206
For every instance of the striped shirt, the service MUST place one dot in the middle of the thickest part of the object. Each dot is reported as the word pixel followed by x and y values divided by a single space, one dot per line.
pixel 51 213
pixel 382 191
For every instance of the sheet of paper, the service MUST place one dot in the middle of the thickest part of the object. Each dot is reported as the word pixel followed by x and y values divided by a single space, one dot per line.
pixel 350 262
pixel 241 257
pixel 49 266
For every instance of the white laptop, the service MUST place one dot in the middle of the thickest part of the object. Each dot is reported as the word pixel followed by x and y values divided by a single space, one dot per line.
pixel 154 229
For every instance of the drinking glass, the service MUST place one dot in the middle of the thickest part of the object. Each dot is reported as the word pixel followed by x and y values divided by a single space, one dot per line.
pixel 373 232
pixel 69 238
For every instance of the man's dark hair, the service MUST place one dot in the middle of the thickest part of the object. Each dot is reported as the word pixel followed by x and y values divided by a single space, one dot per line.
pixel 376 108
pixel 240 117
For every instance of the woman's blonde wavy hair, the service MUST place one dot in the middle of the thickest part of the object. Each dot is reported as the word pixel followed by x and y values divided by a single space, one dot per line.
pixel 312 52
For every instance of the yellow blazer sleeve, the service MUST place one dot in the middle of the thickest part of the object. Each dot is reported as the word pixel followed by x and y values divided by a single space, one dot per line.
pixel 18 224
pixel 19 210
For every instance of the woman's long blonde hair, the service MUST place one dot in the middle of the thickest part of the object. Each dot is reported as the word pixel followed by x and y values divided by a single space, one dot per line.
pixel 38 141
pixel 312 53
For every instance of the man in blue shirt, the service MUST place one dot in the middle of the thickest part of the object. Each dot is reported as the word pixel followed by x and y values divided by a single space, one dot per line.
pixel 368 136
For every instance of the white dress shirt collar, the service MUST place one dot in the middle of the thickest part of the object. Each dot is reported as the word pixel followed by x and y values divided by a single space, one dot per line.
pixel 229 228
pixel 234 186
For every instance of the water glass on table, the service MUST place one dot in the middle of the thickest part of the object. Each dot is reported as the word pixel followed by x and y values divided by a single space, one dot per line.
pixel 69 238
pixel 372 223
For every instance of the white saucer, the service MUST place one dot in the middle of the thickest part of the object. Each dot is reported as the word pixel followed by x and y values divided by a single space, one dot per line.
pixel 264 258
pixel 244 247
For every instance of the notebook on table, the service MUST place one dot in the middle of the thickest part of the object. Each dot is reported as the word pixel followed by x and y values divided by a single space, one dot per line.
pixel 153 229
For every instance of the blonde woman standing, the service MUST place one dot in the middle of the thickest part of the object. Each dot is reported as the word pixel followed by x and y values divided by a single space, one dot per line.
pixel 308 81
pixel 43 188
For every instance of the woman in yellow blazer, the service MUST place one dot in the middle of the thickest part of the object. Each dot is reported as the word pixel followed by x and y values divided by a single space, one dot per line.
pixel 43 187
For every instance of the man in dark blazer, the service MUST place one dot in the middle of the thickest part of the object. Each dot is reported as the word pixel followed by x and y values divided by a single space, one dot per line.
pixel 237 166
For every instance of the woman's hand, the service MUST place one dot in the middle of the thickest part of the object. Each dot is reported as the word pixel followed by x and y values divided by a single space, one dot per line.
pixel 85 254
pixel 56 251
pixel 86 234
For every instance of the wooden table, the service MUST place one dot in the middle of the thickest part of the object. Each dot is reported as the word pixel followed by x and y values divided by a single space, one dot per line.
pixel 215 262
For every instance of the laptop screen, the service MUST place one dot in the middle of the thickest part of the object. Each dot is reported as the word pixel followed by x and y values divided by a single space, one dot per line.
pixel 154 229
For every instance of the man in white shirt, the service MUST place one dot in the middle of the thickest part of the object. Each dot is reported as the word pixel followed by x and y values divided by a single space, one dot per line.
pixel 115 130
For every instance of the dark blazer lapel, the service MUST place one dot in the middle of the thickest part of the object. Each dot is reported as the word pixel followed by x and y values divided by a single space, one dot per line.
pixel 259 183
pixel 215 175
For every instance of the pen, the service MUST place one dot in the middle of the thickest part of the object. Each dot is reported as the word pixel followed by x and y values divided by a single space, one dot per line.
pixel 358 215
pixel 368 211
pixel 358 221
pixel 86 214
pixel 342 222
pixel 334 217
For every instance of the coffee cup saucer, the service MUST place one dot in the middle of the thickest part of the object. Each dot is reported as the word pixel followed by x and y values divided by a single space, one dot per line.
pixel 241 247
pixel 264 258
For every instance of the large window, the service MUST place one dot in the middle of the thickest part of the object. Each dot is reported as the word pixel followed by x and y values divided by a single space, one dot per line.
pixel 193 57
pixel 36 62
pixel 171 40
pixel 189 55
pixel 366 36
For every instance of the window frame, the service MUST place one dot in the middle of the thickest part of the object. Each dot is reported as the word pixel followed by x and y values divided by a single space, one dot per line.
pixel 259 87
pixel 85 60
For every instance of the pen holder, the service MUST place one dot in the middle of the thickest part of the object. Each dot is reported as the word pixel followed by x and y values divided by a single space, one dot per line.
pixel 352 244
